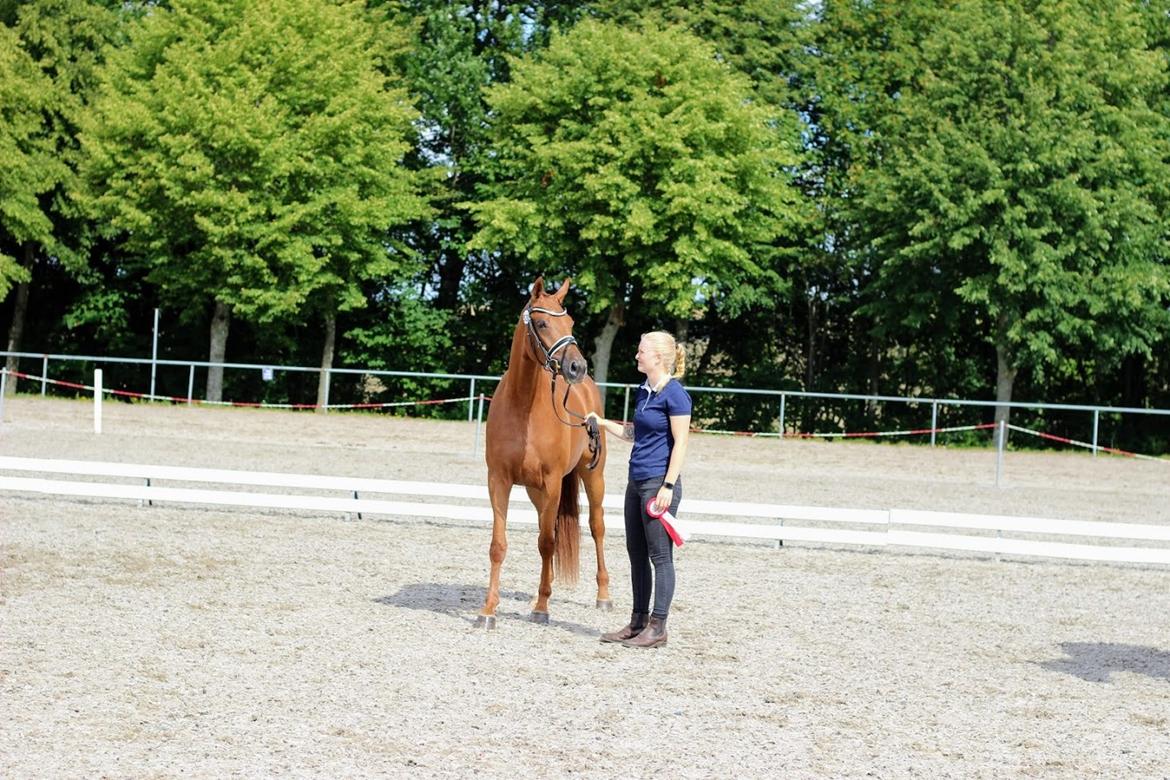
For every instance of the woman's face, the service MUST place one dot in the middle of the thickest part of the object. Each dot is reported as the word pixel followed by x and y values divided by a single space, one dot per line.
pixel 646 359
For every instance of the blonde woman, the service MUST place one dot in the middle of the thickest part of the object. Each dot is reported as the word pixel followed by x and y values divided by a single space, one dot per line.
pixel 662 421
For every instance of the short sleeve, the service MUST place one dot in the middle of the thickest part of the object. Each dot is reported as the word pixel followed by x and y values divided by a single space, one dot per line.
pixel 678 401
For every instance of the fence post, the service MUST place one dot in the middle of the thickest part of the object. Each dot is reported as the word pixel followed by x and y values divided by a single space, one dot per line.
pixel 626 408
pixel 999 451
pixel 1096 420
pixel 933 420
pixel 478 425
pixel 154 354
pixel 471 401
pixel 97 400
pixel 783 398
pixel 190 384
pixel 44 374
pixel 3 391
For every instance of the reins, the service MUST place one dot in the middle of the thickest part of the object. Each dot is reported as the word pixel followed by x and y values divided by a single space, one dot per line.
pixel 553 365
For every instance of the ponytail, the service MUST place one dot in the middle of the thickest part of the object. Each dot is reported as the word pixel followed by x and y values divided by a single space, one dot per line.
pixel 680 362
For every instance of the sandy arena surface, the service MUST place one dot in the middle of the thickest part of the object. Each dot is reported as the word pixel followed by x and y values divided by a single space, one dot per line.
pixel 179 641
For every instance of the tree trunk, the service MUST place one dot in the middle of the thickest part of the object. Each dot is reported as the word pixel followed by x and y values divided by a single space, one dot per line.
pixel 326 361
pixel 452 262
pixel 450 278
pixel 1005 376
pixel 810 361
pixel 19 309
pixel 221 320
pixel 712 344
pixel 810 364
pixel 603 346
pixel 1134 393
pixel 1134 388
pixel 873 370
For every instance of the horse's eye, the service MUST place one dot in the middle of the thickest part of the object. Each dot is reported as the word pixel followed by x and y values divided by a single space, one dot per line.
pixel 541 324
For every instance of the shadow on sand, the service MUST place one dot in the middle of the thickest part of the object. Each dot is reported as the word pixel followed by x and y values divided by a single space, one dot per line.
pixel 1096 661
pixel 464 602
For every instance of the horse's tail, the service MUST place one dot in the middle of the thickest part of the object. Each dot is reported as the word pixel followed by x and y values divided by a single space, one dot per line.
pixel 567 533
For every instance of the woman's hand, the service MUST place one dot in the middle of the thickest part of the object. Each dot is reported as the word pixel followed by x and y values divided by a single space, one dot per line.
pixel 663 499
pixel 625 431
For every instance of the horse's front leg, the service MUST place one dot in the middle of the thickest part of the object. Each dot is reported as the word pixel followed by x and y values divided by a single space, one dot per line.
pixel 595 491
pixel 499 491
pixel 545 501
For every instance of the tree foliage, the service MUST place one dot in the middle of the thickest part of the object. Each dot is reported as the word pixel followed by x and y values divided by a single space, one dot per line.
pixel 758 38
pixel 634 156
pixel 250 153
pixel 67 40
pixel 31 168
pixel 1024 172
pixel 457 51
pixel 961 198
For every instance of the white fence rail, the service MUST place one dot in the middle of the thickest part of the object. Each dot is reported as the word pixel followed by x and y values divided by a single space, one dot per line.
pixel 1096 541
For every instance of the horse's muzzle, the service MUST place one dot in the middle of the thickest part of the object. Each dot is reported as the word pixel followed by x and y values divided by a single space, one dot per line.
pixel 574 368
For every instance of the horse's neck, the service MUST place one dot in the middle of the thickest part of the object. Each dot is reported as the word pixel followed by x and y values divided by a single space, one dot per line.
pixel 516 357
pixel 525 375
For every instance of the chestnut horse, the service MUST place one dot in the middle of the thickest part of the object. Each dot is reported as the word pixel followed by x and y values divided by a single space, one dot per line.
pixel 536 437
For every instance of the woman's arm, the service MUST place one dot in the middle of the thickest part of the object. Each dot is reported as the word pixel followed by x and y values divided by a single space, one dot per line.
pixel 680 429
pixel 621 430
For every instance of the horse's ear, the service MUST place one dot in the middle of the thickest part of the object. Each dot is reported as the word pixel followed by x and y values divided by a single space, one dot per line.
pixel 564 288
pixel 538 287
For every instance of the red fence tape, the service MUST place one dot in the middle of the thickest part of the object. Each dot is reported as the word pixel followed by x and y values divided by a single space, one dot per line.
pixel 852 435
pixel 1086 445
pixel 482 397
pixel 243 404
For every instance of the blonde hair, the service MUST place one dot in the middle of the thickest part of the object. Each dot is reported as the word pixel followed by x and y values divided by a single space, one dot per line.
pixel 673 356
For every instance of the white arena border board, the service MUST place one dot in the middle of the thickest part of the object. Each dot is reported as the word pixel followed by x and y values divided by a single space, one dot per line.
pixel 879 527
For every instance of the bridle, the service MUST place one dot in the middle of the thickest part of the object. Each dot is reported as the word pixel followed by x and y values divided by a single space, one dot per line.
pixel 552 364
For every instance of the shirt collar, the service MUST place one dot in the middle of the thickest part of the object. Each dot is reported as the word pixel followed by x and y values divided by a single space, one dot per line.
pixel 650 390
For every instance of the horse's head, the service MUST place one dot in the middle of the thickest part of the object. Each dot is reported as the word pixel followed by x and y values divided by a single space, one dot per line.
pixel 551 330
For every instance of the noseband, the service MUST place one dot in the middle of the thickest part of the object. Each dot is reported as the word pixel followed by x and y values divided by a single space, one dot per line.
pixel 552 364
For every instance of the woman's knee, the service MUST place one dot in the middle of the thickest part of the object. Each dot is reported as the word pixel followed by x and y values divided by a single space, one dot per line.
pixel 661 559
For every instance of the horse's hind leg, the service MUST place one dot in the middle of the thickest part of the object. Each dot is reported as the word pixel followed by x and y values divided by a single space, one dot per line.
pixel 595 490
pixel 499 491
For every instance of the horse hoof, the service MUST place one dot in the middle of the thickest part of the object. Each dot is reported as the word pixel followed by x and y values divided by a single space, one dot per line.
pixel 486 622
pixel 605 604
pixel 539 617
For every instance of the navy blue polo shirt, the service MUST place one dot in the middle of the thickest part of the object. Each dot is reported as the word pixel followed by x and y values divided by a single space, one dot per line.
pixel 653 440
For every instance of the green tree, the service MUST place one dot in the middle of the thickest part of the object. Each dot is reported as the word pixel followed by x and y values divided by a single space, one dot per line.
pixel 762 39
pixel 457 49
pixel 249 153
pixel 30 167
pixel 759 38
pixel 856 60
pixel 64 38
pixel 637 162
pixel 31 170
pixel 1023 178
